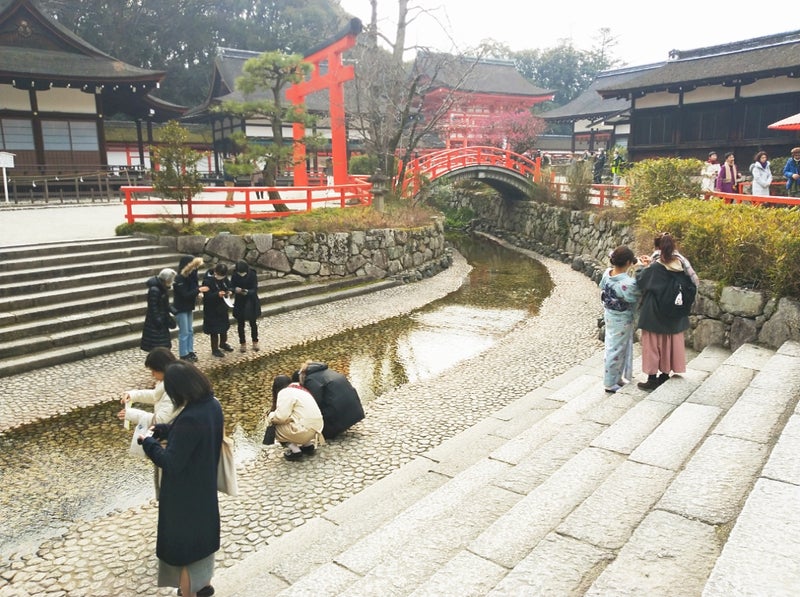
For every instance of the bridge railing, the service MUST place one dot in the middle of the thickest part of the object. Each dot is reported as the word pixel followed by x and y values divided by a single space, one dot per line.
pixel 213 203
pixel 434 165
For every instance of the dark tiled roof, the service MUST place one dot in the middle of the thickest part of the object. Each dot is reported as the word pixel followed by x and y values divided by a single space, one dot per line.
pixel 33 45
pixel 479 76
pixel 745 61
pixel 591 104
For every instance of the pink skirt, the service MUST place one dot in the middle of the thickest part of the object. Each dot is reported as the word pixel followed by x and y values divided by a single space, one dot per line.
pixel 663 352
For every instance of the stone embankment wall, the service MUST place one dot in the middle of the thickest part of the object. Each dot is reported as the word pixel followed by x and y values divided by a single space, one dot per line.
pixel 408 255
pixel 728 316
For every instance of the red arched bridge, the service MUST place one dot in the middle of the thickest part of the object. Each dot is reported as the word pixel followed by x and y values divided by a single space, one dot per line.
pixel 509 173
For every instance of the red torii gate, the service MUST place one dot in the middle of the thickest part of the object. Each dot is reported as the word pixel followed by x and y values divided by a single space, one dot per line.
pixel 332 80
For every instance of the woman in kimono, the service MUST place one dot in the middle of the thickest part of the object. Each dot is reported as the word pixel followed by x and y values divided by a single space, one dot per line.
pixel 620 295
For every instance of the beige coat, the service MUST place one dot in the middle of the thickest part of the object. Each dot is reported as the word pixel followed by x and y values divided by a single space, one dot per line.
pixel 297 417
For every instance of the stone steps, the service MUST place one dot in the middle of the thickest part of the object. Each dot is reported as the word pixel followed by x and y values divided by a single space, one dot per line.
pixel 61 302
pixel 572 491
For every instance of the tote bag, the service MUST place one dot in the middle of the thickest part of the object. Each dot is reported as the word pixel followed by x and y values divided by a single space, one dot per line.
pixel 226 469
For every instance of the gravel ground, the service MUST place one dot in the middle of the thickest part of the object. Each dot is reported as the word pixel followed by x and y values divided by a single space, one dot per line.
pixel 114 554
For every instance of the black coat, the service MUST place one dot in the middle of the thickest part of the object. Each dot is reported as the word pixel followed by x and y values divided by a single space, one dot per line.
pixel 216 319
pixel 158 320
pixel 653 281
pixel 246 306
pixel 188 510
pixel 186 286
pixel 337 399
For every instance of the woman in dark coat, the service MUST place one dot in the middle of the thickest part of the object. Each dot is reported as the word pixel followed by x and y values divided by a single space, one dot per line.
pixel 216 319
pixel 159 318
pixel 663 346
pixel 336 397
pixel 246 304
pixel 188 510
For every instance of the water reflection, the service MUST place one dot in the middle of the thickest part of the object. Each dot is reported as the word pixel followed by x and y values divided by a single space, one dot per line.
pixel 76 466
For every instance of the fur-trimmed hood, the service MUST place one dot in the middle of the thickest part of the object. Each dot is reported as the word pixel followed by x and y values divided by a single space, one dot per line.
pixel 188 264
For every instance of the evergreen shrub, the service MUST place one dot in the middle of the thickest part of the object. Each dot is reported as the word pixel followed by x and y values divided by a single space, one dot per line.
pixel 653 182
pixel 736 245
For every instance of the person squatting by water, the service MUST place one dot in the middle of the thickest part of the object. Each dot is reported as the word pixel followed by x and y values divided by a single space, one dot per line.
pixel 186 290
pixel 296 417
pixel 620 295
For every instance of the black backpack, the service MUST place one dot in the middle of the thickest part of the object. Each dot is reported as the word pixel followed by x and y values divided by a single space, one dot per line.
pixel 678 296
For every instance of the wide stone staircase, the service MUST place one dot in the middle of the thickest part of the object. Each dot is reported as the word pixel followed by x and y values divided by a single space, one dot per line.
pixel 692 489
pixel 65 301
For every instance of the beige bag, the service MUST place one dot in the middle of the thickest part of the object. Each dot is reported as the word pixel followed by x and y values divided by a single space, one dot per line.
pixel 226 469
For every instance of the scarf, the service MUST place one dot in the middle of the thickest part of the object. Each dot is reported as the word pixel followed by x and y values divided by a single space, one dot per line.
pixel 730 172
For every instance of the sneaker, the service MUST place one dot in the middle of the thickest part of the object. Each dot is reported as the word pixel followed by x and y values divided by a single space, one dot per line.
pixel 217 353
pixel 289 455
pixel 614 389
pixel 186 357
pixel 227 347
pixel 255 346
pixel 193 356
pixel 308 449
pixel 243 347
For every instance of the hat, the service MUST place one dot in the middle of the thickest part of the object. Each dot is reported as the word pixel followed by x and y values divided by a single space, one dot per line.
pixel 710 153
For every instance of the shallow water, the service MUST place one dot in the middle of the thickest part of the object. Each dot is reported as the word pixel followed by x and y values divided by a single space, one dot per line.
pixel 76 466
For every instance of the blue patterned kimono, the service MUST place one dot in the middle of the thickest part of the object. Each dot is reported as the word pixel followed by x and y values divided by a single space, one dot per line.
pixel 620 296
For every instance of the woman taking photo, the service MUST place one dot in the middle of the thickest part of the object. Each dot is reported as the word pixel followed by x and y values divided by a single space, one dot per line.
pixel 188 511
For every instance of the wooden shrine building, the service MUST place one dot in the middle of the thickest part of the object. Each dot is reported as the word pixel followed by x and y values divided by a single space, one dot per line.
pixel 56 91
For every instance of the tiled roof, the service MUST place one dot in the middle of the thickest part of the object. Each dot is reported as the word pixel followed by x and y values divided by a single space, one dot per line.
pixel 591 104
pixel 745 61
pixel 480 76
pixel 33 45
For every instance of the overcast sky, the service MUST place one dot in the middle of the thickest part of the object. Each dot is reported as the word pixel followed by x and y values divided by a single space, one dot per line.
pixel 646 31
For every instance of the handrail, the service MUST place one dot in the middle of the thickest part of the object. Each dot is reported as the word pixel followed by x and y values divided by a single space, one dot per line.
pixel 244 205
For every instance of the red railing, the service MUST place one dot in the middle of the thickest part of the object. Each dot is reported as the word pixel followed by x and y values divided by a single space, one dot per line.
pixel 601 195
pixel 141 203
pixel 434 165
pixel 753 199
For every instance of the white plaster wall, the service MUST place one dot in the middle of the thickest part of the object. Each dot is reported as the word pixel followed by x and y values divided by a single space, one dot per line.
pixel 709 94
pixel 657 100
pixel 69 101
pixel 773 86
pixel 14 99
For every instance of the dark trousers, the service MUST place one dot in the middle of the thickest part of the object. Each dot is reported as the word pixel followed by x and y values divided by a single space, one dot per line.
pixel 253 330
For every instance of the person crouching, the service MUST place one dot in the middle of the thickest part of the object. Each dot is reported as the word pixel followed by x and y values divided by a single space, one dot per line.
pixel 296 417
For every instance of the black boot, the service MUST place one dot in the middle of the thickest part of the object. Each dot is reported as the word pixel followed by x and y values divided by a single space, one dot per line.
pixel 650 384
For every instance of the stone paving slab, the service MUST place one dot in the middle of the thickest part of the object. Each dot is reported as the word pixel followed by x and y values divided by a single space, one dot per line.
pixel 419 556
pixel 465 574
pixel 710 358
pixel 762 554
pixel 607 518
pixel 625 435
pixel 534 469
pixel 723 387
pixel 559 566
pixel 371 551
pixel 667 556
pixel 757 415
pixel 612 407
pixel 782 371
pixel 790 348
pixel 679 387
pixel 715 482
pixel 750 355
pixel 784 463
pixel 674 440
pixel 517 532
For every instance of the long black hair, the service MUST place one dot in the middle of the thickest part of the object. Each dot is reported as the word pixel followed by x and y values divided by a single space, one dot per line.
pixel 185 383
